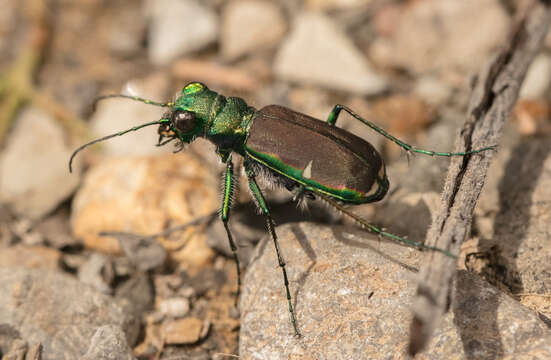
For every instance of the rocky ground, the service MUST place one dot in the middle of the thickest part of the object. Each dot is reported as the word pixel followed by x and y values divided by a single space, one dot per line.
pixel 69 291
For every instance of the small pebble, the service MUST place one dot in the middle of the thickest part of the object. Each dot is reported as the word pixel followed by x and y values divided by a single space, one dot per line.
pixel 98 272
pixel 108 343
pixel 537 78
pixel 179 27
pixel 265 26
pixel 33 166
pixel 185 331
pixel 318 52
pixel 174 307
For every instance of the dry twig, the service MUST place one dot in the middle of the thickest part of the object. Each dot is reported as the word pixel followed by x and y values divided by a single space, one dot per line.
pixel 494 94
pixel 16 85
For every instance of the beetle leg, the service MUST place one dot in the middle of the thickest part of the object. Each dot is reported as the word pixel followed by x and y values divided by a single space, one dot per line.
pixel 225 216
pixel 301 196
pixel 380 231
pixel 334 114
pixel 298 196
pixel 261 202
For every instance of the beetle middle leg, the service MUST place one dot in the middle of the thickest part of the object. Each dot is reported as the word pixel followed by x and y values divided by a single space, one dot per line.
pixel 263 206
pixel 225 216
pixel 334 114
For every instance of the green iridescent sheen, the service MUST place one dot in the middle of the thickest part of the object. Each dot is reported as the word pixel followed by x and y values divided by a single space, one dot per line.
pixel 222 120
pixel 275 164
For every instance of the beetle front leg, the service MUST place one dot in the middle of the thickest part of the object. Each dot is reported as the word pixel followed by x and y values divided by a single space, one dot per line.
pixel 334 114
pixel 261 202
pixel 225 216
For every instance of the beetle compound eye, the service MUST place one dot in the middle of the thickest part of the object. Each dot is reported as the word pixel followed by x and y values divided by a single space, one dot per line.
pixel 184 121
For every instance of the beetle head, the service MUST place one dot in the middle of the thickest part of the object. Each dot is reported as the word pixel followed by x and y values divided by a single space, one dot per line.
pixel 189 114
pixel 187 118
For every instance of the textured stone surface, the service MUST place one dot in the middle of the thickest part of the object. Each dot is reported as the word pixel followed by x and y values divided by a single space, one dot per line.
pixel 30 257
pixel 319 53
pixel 108 343
pixel 443 35
pixel 184 331
pixel 515 223
pixel 334 4
pixel 97 272
pixel 250 25
pixel 179 27
pixel 143 195
pixel 58 311
pixel 33 166
pixel 352 295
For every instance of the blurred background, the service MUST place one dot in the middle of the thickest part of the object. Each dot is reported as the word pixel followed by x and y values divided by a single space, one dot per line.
pixel 406 65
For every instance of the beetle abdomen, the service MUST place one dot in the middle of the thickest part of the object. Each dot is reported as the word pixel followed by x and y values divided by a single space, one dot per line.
pixel 322 157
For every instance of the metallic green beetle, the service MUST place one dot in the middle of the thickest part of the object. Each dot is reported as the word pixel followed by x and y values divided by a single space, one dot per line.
pixel 310 157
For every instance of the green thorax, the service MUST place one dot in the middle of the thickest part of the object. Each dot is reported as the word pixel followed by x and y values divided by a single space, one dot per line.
pixel 224 121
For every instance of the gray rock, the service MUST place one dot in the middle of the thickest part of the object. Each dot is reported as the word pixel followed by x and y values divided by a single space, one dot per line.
pixel 432 90
pixel 179 27
pixel 515 240
pixel 352 295
pixel 33 166
pixel 12 347
pixel 537 78
pixel 250 25
pixel 58 311
pixel 56 230
pixel 136 294
pixel 443 35
pixel 143 252
pixel 319 53
pixel 108 343
pixel 98 272
pixel 328 5
pixel 125 36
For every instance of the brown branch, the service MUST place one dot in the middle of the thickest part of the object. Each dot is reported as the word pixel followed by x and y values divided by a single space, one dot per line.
pixel 17 83
pixel 16 86
pixel 494 94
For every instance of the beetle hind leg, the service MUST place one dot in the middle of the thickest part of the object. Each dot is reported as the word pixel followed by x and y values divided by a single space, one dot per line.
pixel 379 231
pixel 334 114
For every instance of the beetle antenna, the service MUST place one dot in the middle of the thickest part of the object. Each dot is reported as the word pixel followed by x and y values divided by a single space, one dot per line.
pixel 131 97
pixel 158 122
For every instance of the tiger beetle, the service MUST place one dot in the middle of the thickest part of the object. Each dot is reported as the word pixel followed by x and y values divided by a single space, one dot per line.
pixel 309 157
